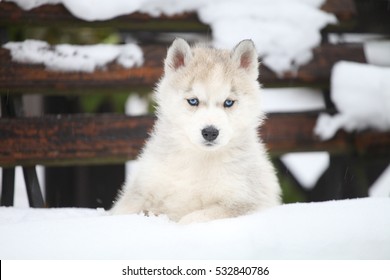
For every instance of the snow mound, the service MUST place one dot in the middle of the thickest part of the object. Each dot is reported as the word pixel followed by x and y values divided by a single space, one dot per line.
pixel 284 31
pixel 349 229
pixel 361 93
pixel 291 100
pixel 31 4
pixel 377 52
pixel 69 58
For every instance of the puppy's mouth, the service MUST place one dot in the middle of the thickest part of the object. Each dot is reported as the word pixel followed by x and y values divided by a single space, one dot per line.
pixel 213 145
pixel 209 144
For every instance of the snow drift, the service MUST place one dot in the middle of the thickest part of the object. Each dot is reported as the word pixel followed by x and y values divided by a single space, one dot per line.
pixel 350 229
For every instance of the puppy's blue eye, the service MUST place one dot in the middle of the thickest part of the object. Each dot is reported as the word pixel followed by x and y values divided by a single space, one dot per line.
pixel 228 103
pixel 193 101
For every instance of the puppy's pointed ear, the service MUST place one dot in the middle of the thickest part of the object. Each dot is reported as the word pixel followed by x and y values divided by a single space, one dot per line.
pixel 244 55
pixel 178 56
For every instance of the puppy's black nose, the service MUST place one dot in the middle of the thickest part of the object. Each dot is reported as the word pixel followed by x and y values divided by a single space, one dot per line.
pixel 210 133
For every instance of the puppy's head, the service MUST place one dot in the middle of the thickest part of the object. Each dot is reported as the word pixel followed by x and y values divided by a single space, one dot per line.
pixel 210 97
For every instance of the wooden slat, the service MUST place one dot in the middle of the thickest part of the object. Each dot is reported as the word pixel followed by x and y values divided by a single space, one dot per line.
pixel 344 10
pixel 10 13
pixel 22 78
pixel 373 142
pixel 293 132
pixel 71 138
pixel 80 139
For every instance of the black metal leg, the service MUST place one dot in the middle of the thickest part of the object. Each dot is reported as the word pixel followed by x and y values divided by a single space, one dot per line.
pixel 343 179
pixel 8 181
pixel 8 187
pixel 34 193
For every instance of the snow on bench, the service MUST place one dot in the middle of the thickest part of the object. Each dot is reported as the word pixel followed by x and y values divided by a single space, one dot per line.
pixel 362 96
pixel 71 58
pixel 19 78
pixel 284 41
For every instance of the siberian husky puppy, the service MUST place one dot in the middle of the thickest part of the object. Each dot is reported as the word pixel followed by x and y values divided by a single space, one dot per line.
pixel 204 159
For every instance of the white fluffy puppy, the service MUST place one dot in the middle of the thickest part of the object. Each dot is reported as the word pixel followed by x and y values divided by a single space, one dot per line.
pixel 204 159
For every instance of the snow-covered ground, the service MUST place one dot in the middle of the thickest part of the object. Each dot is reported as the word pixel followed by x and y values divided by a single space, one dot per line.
pixel 350 229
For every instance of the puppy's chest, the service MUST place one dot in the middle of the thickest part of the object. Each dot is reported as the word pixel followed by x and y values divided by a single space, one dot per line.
pixel 197 183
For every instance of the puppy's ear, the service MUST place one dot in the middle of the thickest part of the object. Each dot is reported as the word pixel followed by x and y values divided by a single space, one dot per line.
pixel 244 55
pixel 178 56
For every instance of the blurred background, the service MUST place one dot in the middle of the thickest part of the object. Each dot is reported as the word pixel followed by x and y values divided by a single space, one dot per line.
pixel 296 75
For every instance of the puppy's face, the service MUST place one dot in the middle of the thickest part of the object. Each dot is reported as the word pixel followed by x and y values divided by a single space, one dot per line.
pixel 210 96
pixel 210 111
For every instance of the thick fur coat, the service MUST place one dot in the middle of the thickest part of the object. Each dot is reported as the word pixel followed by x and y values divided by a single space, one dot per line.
pixel 204 159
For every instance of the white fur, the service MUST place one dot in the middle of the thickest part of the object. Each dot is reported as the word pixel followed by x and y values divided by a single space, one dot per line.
pixel 179 175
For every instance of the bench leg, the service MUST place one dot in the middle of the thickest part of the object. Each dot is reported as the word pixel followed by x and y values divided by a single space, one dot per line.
pixel 8 187
pixel 343 179
pixel 34 193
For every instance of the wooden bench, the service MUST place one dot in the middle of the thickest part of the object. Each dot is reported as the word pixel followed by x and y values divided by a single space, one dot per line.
pixel 80 139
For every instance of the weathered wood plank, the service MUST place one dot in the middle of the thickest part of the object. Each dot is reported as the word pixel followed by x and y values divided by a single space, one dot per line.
pixel 22 78
pixel 344 10
pixel 71 138
pixel 293 132
pixel 10 13
pixel 105 138
pixel 373 142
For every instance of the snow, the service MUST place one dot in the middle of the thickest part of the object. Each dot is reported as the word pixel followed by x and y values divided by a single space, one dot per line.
pixel 136 105
pixel 381 187
pixel 284 31
pixel 67 58
pixel 361 93
pixel 292 100
pixel 307 167
pixel 377 52
pixel 353 38
pixel 31 4
pixel 349 229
